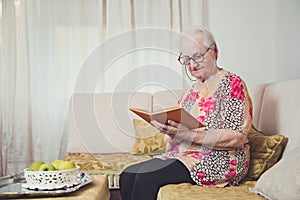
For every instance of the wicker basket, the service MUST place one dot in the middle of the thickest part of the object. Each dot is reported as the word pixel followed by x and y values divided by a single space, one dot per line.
pixel 51 180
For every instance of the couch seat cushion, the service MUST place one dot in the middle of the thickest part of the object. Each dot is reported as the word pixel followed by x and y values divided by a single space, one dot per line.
pixel 111 164
pixel 186 191
pixel 97 163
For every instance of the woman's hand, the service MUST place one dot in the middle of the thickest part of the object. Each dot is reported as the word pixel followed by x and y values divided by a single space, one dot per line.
pixel 170 130
pixel 174 129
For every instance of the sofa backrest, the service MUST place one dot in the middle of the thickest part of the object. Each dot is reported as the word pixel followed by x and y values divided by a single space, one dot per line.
pixel 277 110
pixel 165 99
pixel 102 123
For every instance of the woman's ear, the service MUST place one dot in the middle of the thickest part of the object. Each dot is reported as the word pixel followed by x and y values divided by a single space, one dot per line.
pixel 216 51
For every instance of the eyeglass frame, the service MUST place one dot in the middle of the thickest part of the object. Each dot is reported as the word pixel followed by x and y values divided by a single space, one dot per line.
pixel 193 57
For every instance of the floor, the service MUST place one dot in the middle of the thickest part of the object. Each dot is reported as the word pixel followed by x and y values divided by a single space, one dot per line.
pixel 115 194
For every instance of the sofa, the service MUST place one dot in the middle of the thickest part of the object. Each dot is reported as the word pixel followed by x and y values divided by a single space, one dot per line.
pixel 105 137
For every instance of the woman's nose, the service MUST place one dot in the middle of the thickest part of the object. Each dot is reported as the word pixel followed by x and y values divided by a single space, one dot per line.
pixel 193 63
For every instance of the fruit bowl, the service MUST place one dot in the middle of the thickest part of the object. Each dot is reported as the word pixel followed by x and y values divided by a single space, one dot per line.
pixel 51 180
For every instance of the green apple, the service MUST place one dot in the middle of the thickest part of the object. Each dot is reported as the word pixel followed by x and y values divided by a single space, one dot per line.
pixel 35 166
pixel 57 163
pixel 64 165
pixel 47 167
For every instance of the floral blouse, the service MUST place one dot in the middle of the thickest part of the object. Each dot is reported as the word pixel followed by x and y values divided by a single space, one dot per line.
pixel 223 103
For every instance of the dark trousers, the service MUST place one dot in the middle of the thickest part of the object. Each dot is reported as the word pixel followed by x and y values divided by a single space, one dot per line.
pixel 143 180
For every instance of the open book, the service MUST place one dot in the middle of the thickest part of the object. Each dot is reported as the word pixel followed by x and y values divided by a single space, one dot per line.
pixel 176 114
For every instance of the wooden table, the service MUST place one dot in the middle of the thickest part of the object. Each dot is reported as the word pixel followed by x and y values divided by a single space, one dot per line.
pixel 98 189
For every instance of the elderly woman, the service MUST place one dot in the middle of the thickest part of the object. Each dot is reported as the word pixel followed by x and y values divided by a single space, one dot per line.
pixel 215 156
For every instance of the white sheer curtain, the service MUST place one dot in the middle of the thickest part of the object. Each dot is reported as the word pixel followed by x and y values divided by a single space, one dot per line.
pixel 48 46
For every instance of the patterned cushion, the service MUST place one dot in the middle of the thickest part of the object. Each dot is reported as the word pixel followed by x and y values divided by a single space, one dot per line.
pixel 95 163
pixel 110 164
pixel 148 138
pixel 265 152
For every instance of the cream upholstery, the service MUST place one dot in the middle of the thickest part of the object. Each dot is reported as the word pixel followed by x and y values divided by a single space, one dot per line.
pixel 281 182
pixel 257 93
pixel 280 111
pixel 166 99
pixel 102 123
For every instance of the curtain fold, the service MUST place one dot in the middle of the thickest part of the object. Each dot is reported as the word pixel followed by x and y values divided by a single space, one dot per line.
pixel 1 64
pixel 16 102
pixel 45 47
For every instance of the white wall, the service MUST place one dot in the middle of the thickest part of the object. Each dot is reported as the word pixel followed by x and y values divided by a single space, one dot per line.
pixel 287 39
pixel 257 39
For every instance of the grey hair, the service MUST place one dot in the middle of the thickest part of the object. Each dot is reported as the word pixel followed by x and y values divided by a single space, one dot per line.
pixel 208 37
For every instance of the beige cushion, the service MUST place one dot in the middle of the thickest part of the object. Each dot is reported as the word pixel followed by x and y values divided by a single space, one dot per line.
pixel 102 123
pixel 148 139
pixel 280 111
pixel 282 181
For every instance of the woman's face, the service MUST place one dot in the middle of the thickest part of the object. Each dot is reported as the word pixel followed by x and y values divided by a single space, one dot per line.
pixel 200 59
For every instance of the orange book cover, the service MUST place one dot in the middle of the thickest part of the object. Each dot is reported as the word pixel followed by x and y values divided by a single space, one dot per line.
pixel 177 114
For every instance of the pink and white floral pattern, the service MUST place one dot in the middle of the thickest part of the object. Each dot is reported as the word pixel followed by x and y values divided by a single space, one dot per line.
pixel 236 87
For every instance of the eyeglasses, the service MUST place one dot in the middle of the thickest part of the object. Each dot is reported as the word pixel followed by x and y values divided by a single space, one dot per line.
pixel 186 60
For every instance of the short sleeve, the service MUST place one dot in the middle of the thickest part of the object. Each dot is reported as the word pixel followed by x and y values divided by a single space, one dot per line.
pixel 233 105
